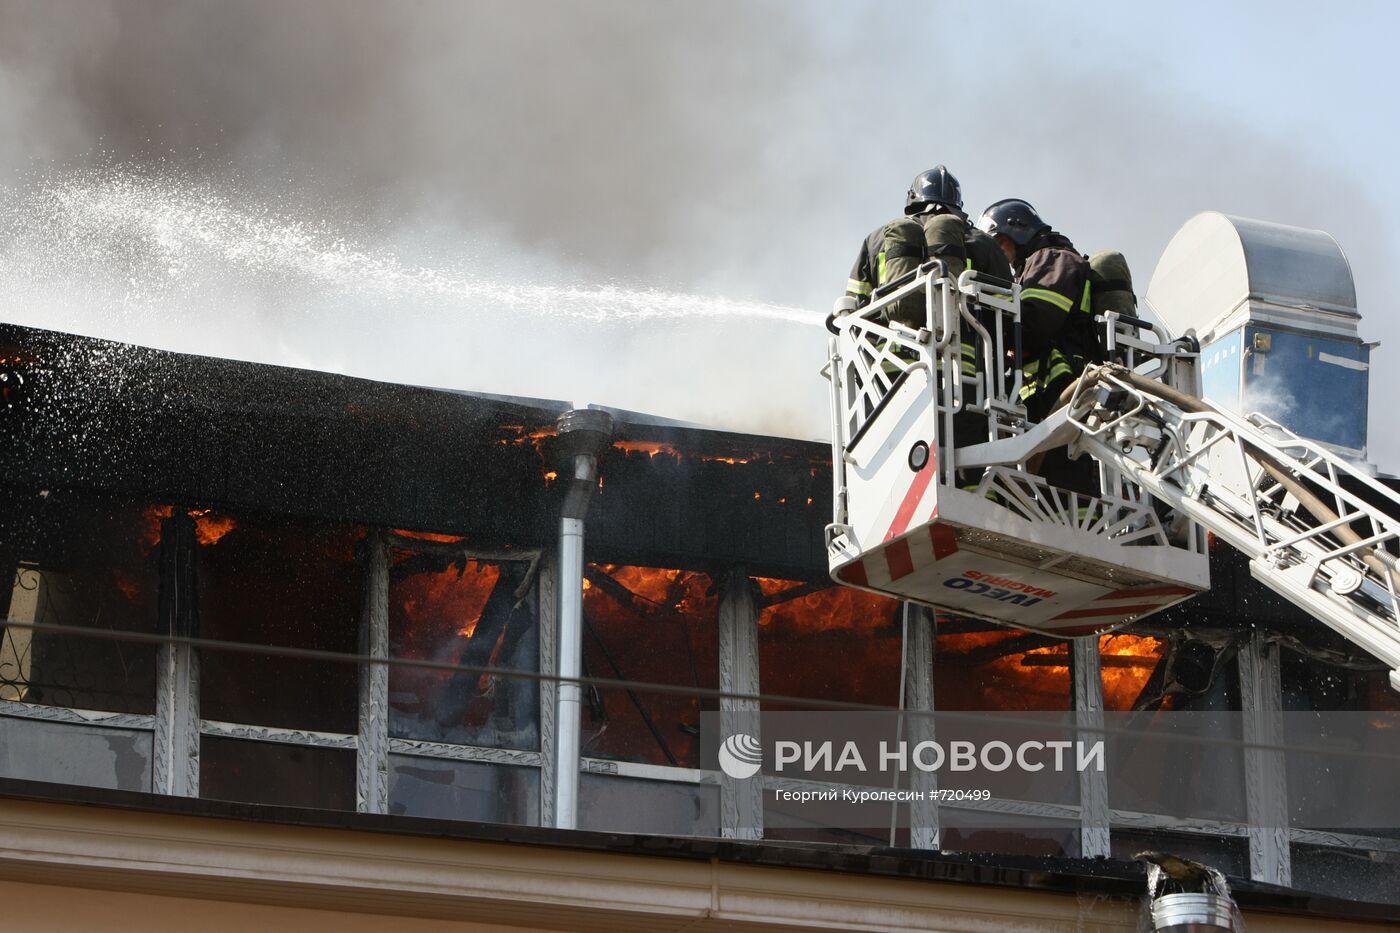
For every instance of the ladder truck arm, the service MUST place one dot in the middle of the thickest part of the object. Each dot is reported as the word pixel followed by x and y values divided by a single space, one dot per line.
pixel 919 513
pixel 1292 506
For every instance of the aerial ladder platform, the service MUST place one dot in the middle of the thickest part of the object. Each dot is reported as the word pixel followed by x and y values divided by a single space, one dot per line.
pixel 965 524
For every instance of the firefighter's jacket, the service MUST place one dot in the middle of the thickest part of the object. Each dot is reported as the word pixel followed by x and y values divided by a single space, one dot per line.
pixel 983 254
pixel 1057 323
pixel 907 242
pixel 904 244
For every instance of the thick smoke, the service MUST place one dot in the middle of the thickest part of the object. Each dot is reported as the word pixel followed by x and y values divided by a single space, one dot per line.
pixel 603 131
pixel 726 149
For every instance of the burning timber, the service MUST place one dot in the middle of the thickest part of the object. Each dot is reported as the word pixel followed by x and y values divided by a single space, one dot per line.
pixel 677 506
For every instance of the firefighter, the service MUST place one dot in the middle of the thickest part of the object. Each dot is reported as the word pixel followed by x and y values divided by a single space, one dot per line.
pixel 1058 337
pixel 933 226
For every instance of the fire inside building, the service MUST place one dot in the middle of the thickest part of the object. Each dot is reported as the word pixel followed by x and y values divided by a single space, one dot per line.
pixel 277 637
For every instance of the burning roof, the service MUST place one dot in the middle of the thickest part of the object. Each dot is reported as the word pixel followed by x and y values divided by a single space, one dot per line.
pixel 219 438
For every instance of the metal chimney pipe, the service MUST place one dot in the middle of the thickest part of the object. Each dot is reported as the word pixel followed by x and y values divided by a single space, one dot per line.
pixel 1200 903
pixel 583 435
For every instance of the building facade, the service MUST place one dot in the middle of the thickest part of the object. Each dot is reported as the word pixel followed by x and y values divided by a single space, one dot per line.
pixel 286 641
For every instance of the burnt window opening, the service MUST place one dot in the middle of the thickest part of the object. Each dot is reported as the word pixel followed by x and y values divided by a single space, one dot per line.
pixel 1349 697
pixel 279 582
pixel 1188 670
pixel 68 560
pixel 825 642
pixel 978 666
pixel 653 625
pixel 1329 680
pixel 1128 663
pixel 448 606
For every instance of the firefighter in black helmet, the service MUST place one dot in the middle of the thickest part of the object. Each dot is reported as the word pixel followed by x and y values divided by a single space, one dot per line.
pixel 936 186
pixel 1058 337
pixel 933 226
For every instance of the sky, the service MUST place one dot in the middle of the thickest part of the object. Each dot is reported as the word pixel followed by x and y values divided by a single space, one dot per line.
pixel 641 203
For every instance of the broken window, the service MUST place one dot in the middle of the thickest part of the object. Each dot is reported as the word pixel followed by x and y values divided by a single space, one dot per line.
pixel 981 667
pixel 267 581
pixel 1128 663
pixel 1353 723
pixel 87 563
pixel 831 643
pixel 448 606
pixel 825 643
pixel 651 625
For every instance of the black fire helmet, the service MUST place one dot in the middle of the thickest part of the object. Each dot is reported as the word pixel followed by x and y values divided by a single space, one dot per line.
pixel 937 186
pixel 1014 218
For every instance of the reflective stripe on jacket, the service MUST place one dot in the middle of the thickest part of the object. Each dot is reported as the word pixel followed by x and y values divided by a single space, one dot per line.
pixel 1057 332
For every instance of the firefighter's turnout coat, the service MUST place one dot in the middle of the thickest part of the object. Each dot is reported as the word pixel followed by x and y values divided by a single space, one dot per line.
pixel 1057 321
pixel 904 244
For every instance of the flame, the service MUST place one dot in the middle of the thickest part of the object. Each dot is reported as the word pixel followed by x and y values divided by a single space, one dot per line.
pixel 1127 661
pixel 833 607
pixel 151 522
pixel 128 584
pixel 441 601
pixel 519 437
pixel 433 615
pixel 969 674
pixel 650 448
pixel 662 629
pixel 861 633
pixel 663 589
pixel 209 528
pixel 658 448
pixel 835 643
pixel 1039 677
pixel 757 455
pixel 427 536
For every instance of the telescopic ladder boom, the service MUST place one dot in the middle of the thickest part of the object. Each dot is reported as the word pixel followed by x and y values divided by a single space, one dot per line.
pixel 1318 531
pixel 966 525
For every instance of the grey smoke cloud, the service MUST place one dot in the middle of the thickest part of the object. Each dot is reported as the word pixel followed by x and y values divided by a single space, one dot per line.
pixel 575 128
pixel 727 148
